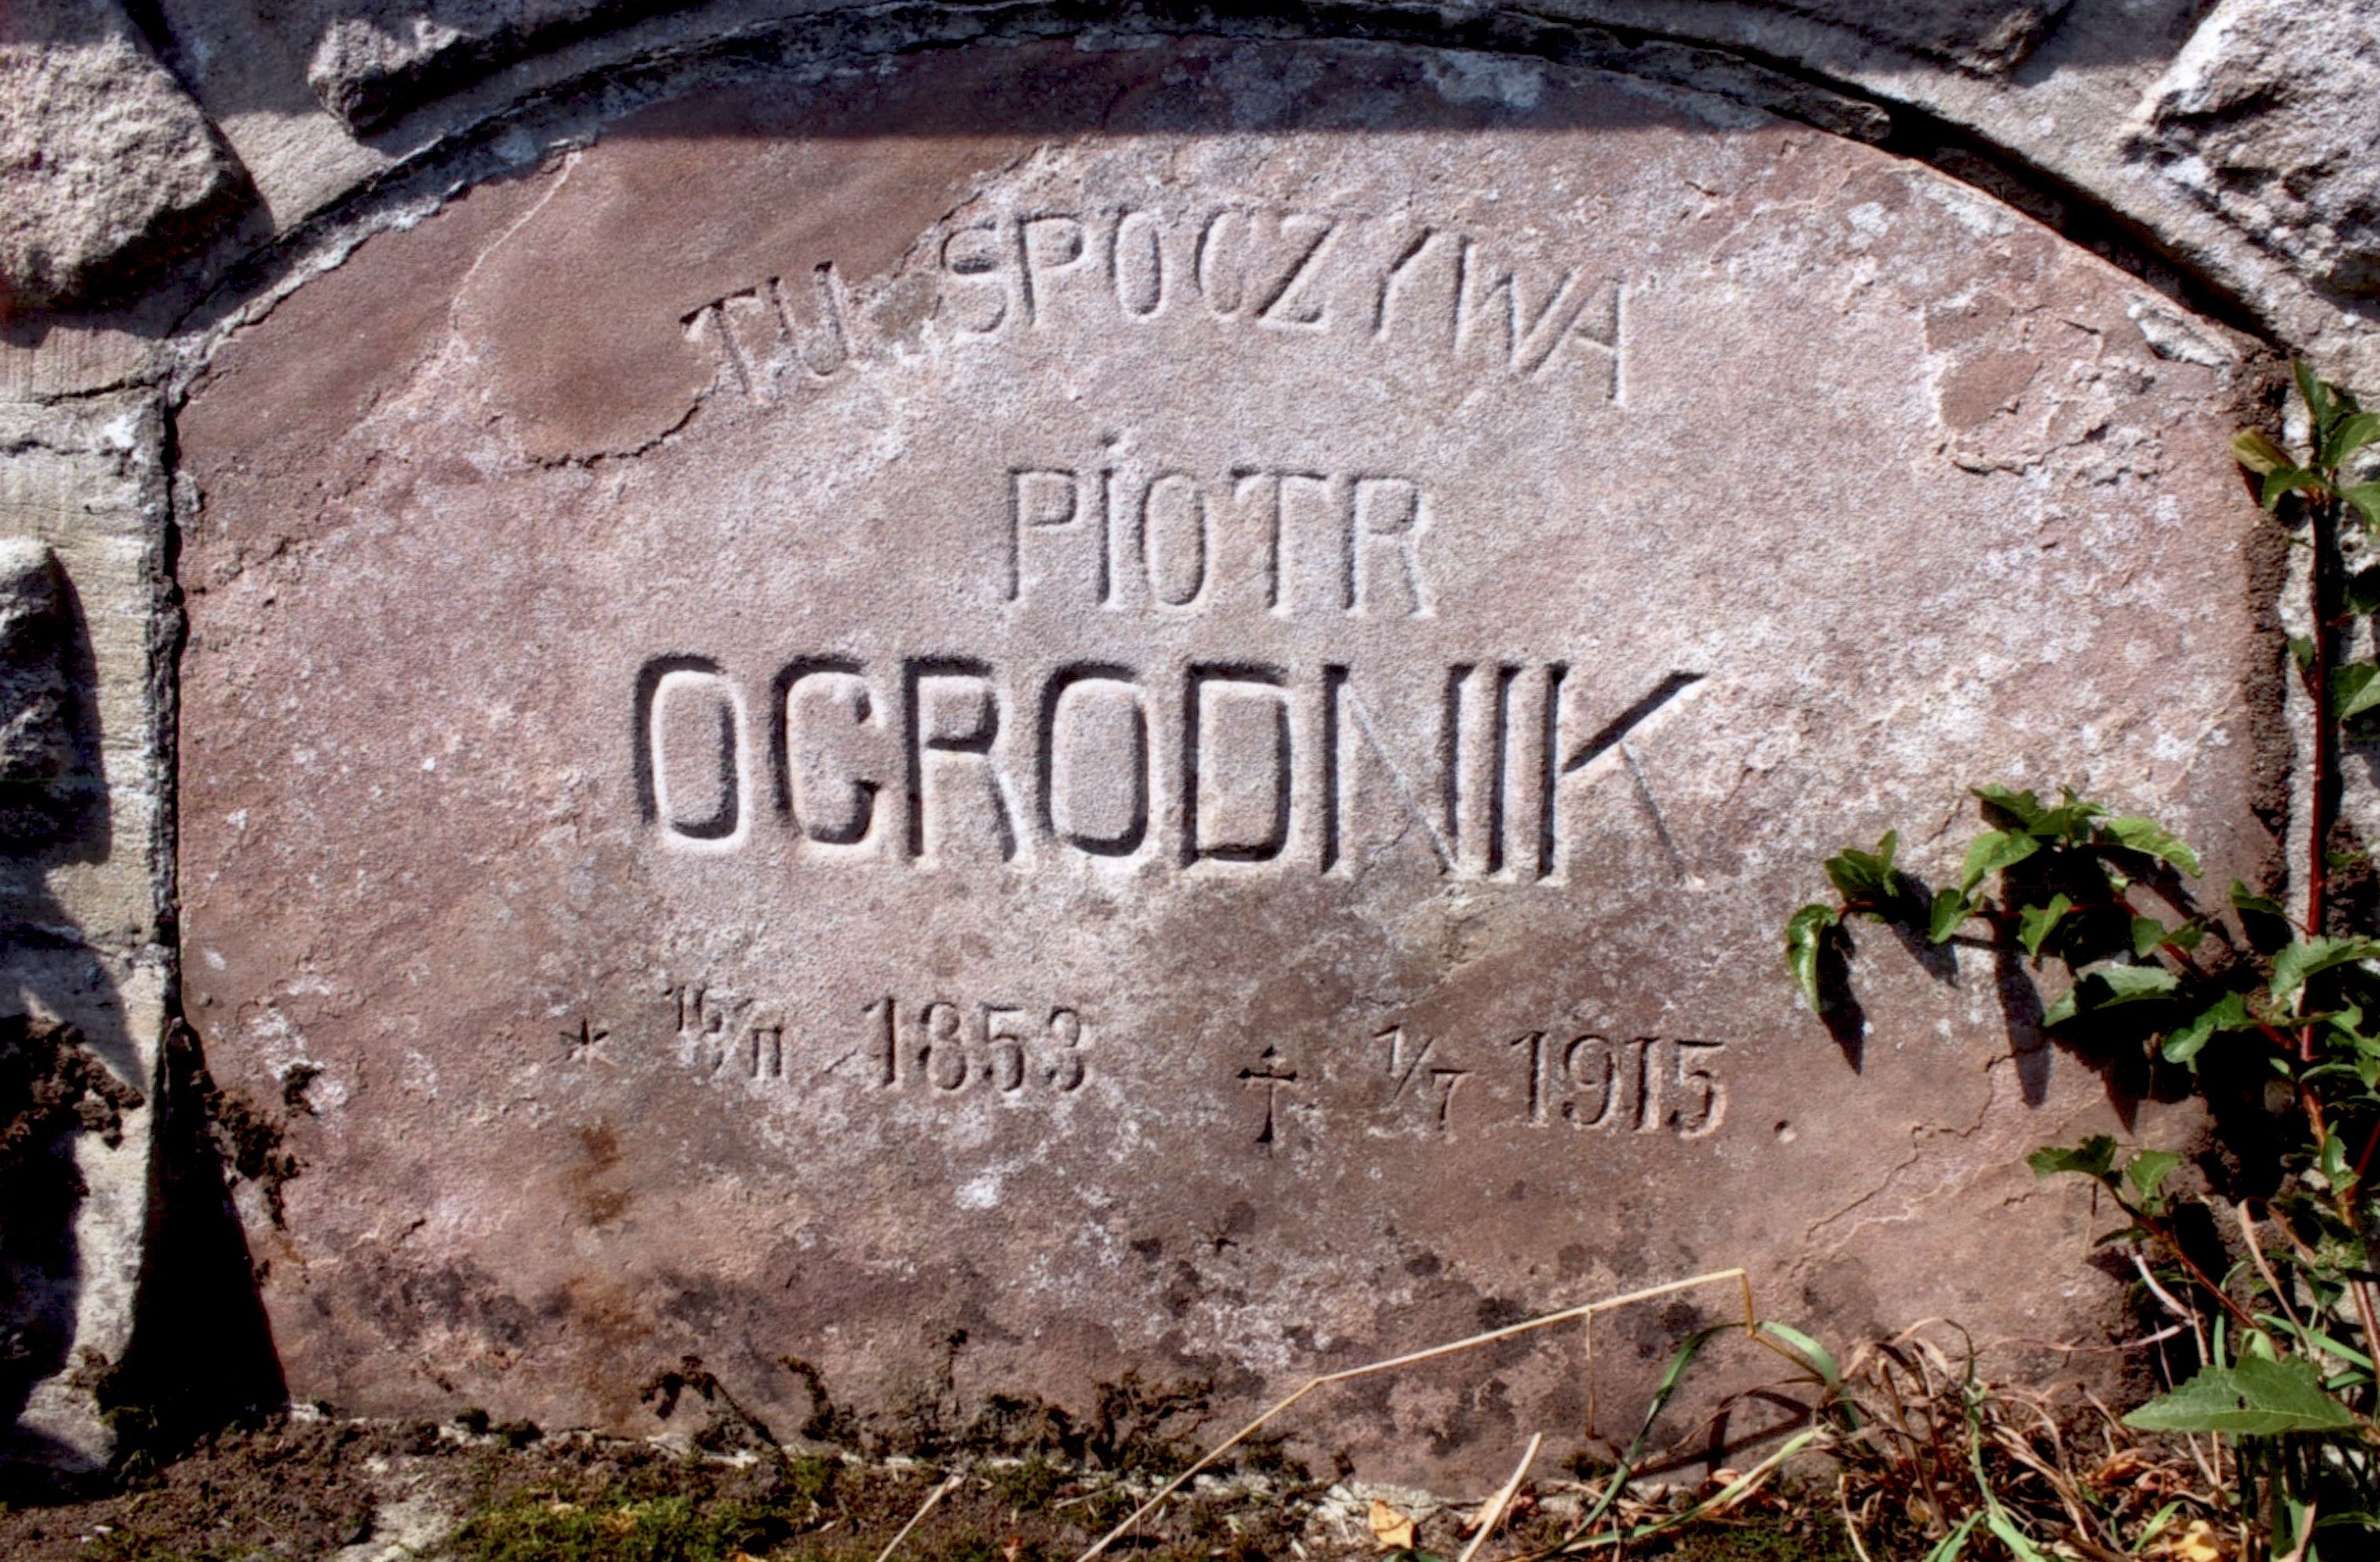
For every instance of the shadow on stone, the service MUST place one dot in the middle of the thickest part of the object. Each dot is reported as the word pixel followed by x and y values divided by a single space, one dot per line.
pixel 202 1356
pixel 60 1079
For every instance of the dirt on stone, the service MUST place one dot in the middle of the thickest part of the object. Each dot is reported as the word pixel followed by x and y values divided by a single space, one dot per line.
pixel 310 1488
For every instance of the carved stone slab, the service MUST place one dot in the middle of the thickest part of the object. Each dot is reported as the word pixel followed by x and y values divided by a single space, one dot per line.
pixel 1040 713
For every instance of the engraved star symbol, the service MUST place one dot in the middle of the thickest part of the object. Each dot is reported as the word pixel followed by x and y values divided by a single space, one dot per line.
pixel 578 1042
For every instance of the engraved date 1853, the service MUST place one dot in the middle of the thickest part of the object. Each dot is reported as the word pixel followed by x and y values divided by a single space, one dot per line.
pixel 949 1047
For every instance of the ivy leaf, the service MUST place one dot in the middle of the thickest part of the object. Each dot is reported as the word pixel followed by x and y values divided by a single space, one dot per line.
pixel 2291 479
pixel 2148 935
pixel 2034 924
pixel 2255 1398
pixel 2147 1171
pixel 2303 959
pixel 2151 838
pixel 1950 910
pixel 1866 876
pixel 2302 652
pixel 2023 807
pixel 2366 498
pixel 2352 434
pixel 1993 851
pixel 2353 689
pixel 2228 1012
pixel 2096 1157
pixel 2255 450
pixel 1806 935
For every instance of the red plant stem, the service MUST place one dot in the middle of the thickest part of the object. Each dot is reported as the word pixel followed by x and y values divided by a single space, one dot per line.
pixel 2370 1143
pixel 2321 520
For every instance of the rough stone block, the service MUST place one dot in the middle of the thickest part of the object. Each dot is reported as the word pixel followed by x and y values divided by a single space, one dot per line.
pixel 107 168
pixel 1047 711
pixel 2267 117
pixel 372 62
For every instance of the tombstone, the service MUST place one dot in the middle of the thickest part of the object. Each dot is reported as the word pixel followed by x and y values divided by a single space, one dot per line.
pixel 1011 716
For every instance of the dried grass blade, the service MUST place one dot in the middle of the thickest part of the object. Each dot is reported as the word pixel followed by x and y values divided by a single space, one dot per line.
pixel 1493 1514
pixel 939 1493
pixel 1742 1278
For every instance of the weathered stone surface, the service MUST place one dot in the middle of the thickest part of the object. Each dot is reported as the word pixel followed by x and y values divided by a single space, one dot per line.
pixel 106 166
pixel 82 980
pixel 372 62
pixel 1049 711
pixel 2267 117
pixel 1979 35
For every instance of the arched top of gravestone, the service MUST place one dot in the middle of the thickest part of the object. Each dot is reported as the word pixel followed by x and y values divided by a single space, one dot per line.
pixel 582 305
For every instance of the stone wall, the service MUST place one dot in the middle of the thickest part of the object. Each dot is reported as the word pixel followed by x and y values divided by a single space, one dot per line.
pixel 171 172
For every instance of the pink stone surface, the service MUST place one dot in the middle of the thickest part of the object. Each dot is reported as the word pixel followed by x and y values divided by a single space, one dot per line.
pixel 1040 713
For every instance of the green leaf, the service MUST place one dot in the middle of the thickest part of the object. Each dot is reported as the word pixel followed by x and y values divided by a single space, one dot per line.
pixel 2096 1157
pixel 1993 851
pixel 2256 451
pixel 2152 839
pixel 2302 652
pixel 2303 959
pixel 1866 876
pixel 2245 899
pixel 2147 1171
pixel 2068 821
pixel 2034 924
pixel 1954 1545
pixel 2108 987
pixel 2361 593
pixel 2254 1398
pixel 2353 689
pixel 1821 1360
pixel 2288 481
pixel 1805 934
pixel 2365 497
pixel 2004 1528
pixel 2148 935
pixel 2317 397
pixel 2228 1012
pixel 1951 910
pixel 2351 434
pixel 2023 807
pixel 2130 984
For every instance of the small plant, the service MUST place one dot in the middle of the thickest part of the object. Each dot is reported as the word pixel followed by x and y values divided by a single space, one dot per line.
pixel 2275 1020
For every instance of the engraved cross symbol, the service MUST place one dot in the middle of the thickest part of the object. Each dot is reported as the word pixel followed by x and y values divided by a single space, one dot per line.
pixel 578 1042
pixel 1270 1076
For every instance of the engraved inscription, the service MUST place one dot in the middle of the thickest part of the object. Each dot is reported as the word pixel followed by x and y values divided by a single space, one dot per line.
pixel 1270 1075
pixel 723 1032
pixel 943 1046
pixel 1409 290
pixel 1251 538
pixel 1554 1079
pixel 938 761
pixel 948 1046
